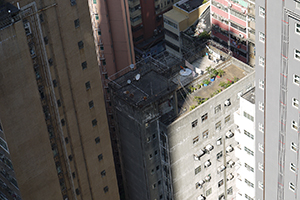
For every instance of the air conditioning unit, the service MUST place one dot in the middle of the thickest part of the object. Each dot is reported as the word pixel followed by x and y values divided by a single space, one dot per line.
pixel 229 4
pixel 244 10
pixel 218 5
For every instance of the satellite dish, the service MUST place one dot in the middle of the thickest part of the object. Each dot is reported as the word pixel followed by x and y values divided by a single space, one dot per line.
pixel 128 81
pixel 131 66
pixel 137 77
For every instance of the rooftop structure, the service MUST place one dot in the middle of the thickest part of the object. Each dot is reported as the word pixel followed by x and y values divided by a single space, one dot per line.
pixel 189 5
pixel 184 14
pixel 160 140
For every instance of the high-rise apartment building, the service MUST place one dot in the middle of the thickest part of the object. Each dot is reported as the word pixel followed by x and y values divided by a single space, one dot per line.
pixel 176 136
pixel 245 151
pixel 233 24
pixel 52 100
pixel 277 98
pixel 147 22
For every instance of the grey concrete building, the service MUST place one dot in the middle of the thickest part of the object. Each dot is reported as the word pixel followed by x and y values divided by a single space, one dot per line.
pixel 277 98
pixel 176 136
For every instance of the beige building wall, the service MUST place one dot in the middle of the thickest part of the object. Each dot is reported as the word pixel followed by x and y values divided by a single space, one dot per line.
pixel 75 161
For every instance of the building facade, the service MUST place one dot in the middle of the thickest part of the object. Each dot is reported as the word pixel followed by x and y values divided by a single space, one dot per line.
pixel 277 99
pixel 52 98
pixel 183 15
pixel 172 145
pixel 234 26
pixel 147 22
pixel 245 135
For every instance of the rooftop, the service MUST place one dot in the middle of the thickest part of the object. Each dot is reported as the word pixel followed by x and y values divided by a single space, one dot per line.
pixel 250 95
pixel 189 5
pixel 154 78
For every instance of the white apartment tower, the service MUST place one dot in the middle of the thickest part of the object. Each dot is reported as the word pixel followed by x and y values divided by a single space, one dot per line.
pixel 277 99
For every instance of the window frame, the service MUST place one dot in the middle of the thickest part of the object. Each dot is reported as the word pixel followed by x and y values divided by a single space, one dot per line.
pixel 262 11
pixel 261 61
pixel 294 125
pixel 295 102
pixel 261 37
pixel 297 54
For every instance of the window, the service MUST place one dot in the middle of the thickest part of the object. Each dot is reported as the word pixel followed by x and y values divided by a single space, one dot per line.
pixel 295 103
pixel 54 83
pixel 261 12
pixel 46 40
pixel 104 62
pixel 135 18
pixel 84 65
pixel 261 147
pixel 80 45
pixel 105 189
pixel 292 186
pixel 218 125
pixel 227 119
pixel 63 122
pixel 249 151
pixel 249 183
pixel 261 61
pixel 195 139
pixel 94 1
pixel 150 156
pixel 261 37
pixel 293 167
pixel 166 21
pixel 220 154
pixel 58 103
pixel 220 183
pixel 3 144
pixel 204 117
pixel 261 167
pixel 154 186
pixel 94 122
pixel 152 171
pixel 261 106
pixel 194 123
pixel 217 108
pixel 260 185
pixel 100 157
pixel 157 167
pixel 208 192
pixel 230 191
pixel 249 134
pixel 205 134
pixel 248 197
pixel 294 147
pixel 297 54
pixel 248 116
pixel 198 169
pixel 97 140
pixel 261 84
pixel 73 2
pixel 96 16
pixel 76 23
pixel 249 168
pixel 154 136
pixel 261 127
pixel 101 47
pixel 87 85
pixel 99 33
pixel 296 79
pixel 148 139
pixel 219 141
pixel 295 125
pixel 155 152
pixel 297 28
pixel 27 28
pixel 91 104
pixel 77 191
pixel 103 173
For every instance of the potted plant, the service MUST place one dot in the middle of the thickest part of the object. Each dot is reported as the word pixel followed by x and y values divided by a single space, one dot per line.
pixel 205 82
pixel 213 74
pixel 220 73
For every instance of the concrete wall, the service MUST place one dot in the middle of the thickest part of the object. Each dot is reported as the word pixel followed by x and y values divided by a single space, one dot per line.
pixel 181 134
